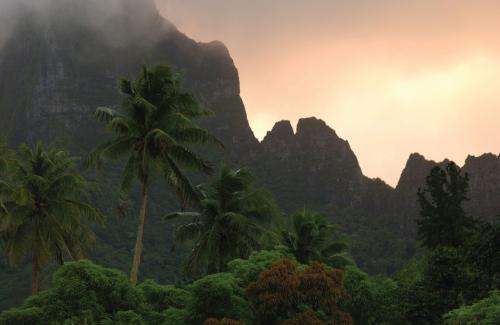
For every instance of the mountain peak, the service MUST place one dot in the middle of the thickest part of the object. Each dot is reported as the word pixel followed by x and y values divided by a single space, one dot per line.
pixel 416 169
pixel 281 130
pixel 314 127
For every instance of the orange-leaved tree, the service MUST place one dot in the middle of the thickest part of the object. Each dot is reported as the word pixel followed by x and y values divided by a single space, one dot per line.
pixel 284 295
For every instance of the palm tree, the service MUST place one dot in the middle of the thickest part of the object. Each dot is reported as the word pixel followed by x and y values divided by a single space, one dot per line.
pixel 312 238
pixel 152 131
pixel 47 215
pixel 232 219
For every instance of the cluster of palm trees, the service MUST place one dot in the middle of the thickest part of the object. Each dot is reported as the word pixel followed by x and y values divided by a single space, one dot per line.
pixel 44 210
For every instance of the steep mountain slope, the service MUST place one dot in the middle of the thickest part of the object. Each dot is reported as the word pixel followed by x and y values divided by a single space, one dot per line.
pixel 314 167
pixel 59 65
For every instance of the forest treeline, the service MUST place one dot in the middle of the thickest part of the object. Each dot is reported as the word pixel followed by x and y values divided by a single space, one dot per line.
pixel 247 262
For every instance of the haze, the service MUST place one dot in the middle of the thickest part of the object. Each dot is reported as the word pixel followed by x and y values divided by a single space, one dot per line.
pixel 392 77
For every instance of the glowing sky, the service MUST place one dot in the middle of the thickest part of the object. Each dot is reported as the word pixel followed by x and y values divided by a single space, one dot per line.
pixel 390 76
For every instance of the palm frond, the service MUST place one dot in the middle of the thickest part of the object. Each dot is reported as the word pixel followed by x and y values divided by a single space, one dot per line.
pixel 189 159
pixel 104 114
pixel 181 215
pixel 196 136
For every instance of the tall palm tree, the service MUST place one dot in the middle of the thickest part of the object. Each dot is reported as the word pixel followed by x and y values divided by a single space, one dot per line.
pixel 312 238
pixel 153 131
pixel 231 221
pixel 47 214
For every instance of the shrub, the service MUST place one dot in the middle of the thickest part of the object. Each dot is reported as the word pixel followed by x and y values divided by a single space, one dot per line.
pixel 217 296
pixel 484 312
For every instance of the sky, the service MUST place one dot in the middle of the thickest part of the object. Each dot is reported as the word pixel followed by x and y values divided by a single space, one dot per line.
pixel 392 77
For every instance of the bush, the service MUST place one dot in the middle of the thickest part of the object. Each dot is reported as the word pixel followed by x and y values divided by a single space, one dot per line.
pixel 162 297
pixel 82 292
pixel 374 300
pixel 484 312
pixel 248 270
pixel 217 296
pixel 14 316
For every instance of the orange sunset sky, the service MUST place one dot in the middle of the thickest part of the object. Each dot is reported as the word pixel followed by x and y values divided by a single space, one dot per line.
pixel 390 76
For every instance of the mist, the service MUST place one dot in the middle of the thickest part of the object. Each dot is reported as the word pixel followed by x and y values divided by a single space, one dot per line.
pixel 94 15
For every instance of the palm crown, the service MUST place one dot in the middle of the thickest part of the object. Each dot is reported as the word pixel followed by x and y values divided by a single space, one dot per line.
pixel 312 238
pixel 230 223
pixel 153 130
pixel 45 210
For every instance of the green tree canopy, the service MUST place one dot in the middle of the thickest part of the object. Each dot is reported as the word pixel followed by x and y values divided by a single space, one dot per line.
pixel 443 221
pixel 483 312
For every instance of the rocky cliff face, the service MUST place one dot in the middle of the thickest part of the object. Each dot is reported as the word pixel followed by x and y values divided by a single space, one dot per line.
pixel 314 167
pixel 62 63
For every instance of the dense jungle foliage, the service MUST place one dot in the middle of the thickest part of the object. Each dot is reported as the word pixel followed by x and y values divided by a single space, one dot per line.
pixel 246 262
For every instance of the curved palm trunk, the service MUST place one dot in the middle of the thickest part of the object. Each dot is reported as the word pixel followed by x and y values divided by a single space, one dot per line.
pixel 34 275
pixel 140 234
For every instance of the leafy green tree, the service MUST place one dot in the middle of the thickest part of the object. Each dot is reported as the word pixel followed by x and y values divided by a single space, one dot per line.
pixel 233 217
pixel 154 130
pixel 218 296
pixel 313 238
pixel 47 214
pixel 482 261
pixel 162 297
pixel 438 290
pixel 82 293
pixel 247 270
pixel 374 300
pixel 443 221
pixel 483 312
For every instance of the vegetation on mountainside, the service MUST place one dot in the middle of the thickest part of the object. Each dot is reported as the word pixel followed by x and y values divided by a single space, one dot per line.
pixel 244 267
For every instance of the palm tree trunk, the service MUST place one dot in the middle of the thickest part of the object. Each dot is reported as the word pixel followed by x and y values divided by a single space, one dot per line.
pixel 34 275
pixel 140 234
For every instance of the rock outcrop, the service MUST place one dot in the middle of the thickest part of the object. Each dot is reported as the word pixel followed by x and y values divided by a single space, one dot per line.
pixel 61 64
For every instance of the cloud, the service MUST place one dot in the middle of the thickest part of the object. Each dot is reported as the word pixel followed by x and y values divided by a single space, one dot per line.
pixel 391 76
pixel 99 16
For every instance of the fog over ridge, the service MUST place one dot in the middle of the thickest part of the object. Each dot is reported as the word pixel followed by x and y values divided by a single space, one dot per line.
pixel 97 15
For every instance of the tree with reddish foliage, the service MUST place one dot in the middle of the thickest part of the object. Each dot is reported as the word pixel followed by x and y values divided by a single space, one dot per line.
pixel 305 318
pixel 276 293
pixel 224 321
pixel 283 295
